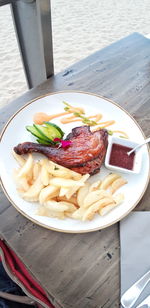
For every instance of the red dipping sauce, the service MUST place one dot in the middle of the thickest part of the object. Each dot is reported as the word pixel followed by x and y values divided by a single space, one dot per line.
pixel 120 158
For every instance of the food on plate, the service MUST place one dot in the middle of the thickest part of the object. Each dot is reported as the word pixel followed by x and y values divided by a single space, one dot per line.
pixel 78 114
pixel 46 133
pixel 120 132
pixel 118 199
pixel 60 182
pixel 62 192
pixel 76 117
pixel 119 156
pixel 84 155
pixel 117 184
pixel 109 180
pixel 41 117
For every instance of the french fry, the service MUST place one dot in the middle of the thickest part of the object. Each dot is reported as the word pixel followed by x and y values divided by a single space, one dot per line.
pixel 63 191
pixel 105 210
pixel 60 173
pixel 20 160
pixel 95 196
pixel 48 192
pixel 81 194
pixel 72 199
pixel 45 177
pixel 36 170
pixel 119 198
pixel 60 182
pixel 109 179
pixel 42 211
pixel 95 185
pixel 80 183
pixel 53 167
pixel 75 175
pixel 27 167
pixel 95 207
pixel 78 214
pixel 56 206
pixel 55 199
pixel 21 183
pixel 117 184
pixel 71 206
pixel 59 215
pixel 32 194
pixel 68 214
pixel 57 171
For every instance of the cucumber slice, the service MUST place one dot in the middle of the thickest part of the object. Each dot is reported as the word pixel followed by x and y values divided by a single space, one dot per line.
pixel 48 131
pixel 48 124
pixel 35 132
pixel 42 141
pixel 43 131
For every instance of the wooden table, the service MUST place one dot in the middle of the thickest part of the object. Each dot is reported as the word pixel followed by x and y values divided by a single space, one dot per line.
pixel 82 270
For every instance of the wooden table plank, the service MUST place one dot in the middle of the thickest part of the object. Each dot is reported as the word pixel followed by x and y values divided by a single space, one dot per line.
pixel 82 270
pixel 101 82
pixel 4 203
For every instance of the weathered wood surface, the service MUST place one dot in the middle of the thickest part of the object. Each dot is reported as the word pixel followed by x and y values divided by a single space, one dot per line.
pixel 82 270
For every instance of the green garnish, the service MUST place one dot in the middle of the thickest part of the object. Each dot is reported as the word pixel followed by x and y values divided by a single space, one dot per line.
pixel 110 132
pixel 85 120
pixel 89 122
pixel 123 137
pixel 65 103
pixel 66 108
pixel 77 114
pixel 56 168
pixel 69 107
pixel 46 133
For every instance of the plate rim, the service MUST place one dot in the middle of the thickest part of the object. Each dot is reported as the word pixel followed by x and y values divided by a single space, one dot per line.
pixel 75 231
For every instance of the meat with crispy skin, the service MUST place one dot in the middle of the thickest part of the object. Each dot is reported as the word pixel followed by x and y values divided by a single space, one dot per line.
pixel 84 155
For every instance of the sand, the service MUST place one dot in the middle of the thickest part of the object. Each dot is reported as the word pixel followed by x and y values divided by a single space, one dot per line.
pixel 80 28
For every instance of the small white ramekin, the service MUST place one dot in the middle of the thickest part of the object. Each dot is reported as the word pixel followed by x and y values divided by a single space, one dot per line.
pixel 127 143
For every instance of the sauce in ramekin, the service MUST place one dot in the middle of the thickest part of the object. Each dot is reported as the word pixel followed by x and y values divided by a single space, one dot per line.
pixel 120 158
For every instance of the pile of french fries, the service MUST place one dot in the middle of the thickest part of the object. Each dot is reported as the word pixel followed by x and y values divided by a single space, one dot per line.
pixel 63 193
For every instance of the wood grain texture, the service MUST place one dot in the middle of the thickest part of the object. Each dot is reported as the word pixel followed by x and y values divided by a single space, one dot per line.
pixel 4 203
pixel 82 270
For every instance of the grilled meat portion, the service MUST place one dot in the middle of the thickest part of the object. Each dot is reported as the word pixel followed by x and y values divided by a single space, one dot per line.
pixel 85 154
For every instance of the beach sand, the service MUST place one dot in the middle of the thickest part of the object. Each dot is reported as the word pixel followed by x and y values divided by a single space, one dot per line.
pixel 79 29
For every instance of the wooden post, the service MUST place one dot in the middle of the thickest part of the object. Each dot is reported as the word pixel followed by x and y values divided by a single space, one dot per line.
pixel 32 20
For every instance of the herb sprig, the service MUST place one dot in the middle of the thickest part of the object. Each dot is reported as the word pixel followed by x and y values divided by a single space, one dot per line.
pixel 70 108
pixel 85 120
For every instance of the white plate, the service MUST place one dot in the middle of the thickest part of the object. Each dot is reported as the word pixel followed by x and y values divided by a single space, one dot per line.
pixel 15 132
